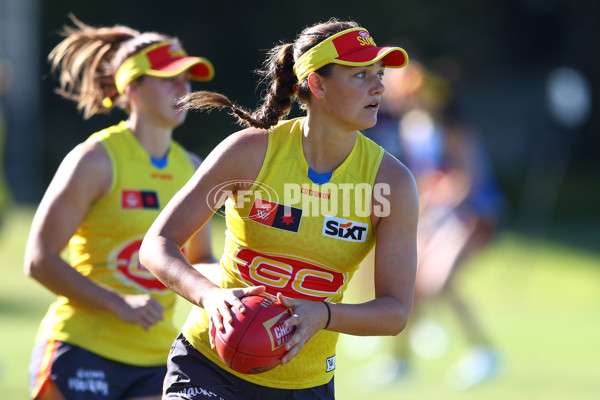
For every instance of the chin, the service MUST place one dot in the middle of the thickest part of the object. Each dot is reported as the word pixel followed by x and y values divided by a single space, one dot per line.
pixel 178 119
pixel 368 124
pixel 172 123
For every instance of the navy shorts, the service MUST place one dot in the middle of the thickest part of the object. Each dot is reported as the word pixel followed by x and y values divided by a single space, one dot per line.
pixel 82 375
pixel 191 376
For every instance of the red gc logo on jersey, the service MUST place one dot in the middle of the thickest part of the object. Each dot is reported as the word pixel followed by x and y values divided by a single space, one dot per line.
pixel 291 277
pixel 126 261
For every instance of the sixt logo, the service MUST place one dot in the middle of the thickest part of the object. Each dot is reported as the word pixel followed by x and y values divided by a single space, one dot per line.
pixel 345 229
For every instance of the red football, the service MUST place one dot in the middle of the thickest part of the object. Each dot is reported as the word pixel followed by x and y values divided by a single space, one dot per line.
pixel 255 341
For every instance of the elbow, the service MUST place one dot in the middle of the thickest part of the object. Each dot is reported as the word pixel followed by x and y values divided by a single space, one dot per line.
pixel 28 269
pixel 399 319
pixel 37 259
pixel 399 326
pixel 143 254
pixel 147 254
pixel 33 267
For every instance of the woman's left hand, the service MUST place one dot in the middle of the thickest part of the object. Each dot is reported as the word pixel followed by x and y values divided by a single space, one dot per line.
pixel 308 317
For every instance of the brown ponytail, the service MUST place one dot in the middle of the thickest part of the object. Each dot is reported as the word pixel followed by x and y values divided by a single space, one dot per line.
pixel 277 103
pixel 278 75
pixel 87 59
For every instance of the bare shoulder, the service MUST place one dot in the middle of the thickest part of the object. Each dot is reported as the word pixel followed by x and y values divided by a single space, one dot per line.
pixel 242 153
pixel 90 154
pixel 249 139
pixel 395 197
pixel 395 173
pixel 88 165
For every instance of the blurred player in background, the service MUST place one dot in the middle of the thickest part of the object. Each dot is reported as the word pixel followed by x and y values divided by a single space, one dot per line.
pixel 108 334
pixel 460 207
pixel 284 246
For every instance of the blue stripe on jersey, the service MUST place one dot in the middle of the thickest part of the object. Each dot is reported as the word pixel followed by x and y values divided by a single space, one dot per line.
pixel 319 179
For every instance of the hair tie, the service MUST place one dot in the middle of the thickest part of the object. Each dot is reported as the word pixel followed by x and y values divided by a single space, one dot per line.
pixel 328 314
pixel 294 86
pixel 107 102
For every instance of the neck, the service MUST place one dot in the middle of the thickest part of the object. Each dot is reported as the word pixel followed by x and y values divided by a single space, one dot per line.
pixel 326 145
pixel 154 139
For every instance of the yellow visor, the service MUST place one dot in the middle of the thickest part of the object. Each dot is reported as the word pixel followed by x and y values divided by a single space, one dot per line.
pixel 353 47
pixel 163 60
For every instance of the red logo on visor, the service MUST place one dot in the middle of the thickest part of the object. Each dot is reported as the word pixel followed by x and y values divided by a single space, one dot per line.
pixel 350 42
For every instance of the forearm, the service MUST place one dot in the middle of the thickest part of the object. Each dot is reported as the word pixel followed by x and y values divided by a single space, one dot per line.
pixel 166 261
pixel 384 316
pixel 210 270
pixel 62 279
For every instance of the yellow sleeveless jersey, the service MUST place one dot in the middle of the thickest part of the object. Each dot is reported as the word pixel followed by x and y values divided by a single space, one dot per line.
pixel 105 250
pixel 297 237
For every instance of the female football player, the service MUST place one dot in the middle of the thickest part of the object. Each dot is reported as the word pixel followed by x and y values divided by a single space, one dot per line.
pixel 305 200
pixel 108 334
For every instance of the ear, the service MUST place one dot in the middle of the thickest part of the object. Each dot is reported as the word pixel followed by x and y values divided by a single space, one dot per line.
pixel 316 85
pixel 131 89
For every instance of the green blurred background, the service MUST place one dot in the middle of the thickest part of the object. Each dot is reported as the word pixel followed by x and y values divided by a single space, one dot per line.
pixel 538 299
pixel 536 287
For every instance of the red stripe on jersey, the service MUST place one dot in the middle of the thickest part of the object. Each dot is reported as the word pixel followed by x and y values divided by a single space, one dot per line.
pixel 44 368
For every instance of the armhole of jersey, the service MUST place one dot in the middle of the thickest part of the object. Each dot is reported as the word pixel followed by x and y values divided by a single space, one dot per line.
pixel 191 161
pixel 176 146
pixel 264 161
pixel 113 168
pixel 372 178
pixel 377 165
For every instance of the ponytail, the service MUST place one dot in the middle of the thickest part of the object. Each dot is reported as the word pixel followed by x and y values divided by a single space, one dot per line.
pixel 83 63
pixel 278 75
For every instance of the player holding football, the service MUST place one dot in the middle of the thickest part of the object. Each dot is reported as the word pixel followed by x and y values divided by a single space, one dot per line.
pixel 305 201
pixel 108 334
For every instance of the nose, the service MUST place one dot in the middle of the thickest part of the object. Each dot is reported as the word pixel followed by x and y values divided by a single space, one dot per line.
pixel 378 87
pixel 183 82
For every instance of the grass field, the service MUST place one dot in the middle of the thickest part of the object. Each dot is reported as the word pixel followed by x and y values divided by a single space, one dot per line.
pixel 540 300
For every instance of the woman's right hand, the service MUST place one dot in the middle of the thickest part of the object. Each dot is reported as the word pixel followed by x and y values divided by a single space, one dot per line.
pixel 218 305
pixel 140 309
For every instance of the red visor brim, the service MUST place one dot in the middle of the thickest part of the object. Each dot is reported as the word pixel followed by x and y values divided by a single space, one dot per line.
pixel 391 56
pixel 200 70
